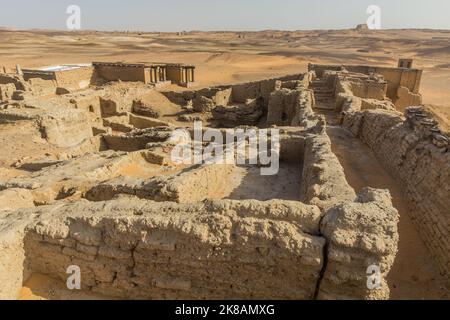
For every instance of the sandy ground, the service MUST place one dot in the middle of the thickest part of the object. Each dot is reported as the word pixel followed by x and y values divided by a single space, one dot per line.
pixel 42 287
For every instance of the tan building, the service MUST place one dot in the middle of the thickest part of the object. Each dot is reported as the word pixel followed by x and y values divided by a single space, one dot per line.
pixel 73 77
pixel 155 73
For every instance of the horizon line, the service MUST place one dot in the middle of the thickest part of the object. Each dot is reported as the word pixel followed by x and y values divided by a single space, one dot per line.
pixel 6 28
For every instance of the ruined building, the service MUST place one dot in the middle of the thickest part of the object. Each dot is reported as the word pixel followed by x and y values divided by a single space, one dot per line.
pixel 111 200
pixel 156 73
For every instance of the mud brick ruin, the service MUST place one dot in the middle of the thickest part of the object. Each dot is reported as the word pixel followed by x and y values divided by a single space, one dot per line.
pixel 156 73
pixel 111 200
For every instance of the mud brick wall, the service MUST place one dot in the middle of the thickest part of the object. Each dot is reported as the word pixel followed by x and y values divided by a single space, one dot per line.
pixel 123 73
pixel 6 91
pixel 420 160
pixel 67 127
pixel 218 250
pixel 75 79
pixel 282 107
pixel 359 235
pixel 291 108
pixel 137 139
pixel 254 90
pixel 174 74
pixel 323 178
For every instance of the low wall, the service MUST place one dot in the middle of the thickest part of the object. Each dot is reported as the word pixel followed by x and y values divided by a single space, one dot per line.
pixel 67 127
pixel 225 249
pixel 402 88
pixel 75 79
pixel 124 73
pixel 420 159
pixel 218 250
pixel 323 179
pixel 362 238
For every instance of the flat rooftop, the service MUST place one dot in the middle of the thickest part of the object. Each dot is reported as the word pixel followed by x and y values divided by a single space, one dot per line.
pixel 64 67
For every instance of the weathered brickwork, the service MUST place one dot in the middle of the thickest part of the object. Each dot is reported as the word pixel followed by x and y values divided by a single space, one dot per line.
pixel 417 153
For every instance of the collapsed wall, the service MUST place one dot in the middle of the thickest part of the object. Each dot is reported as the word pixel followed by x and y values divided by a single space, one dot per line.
pixel 416 152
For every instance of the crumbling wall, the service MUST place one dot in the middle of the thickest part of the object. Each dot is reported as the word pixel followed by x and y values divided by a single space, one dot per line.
pixel 362 241
pixel 399 81
pixel 406 98
pixel 204 182
pixel 248 113
pixel 14 270
pixel 137 139
pixel 400 77
pixel 41 87
pixel 117 99
pixel 219 96
pixel 67 127
pixel 195 184
pixel 320 69
pixel 217 250
pixel 417 154
pixel 89 102
pixel 75 79
pixel 323 179
pixel 12 259
pixel 282 107
pixel 6 91
pixel 368 89
pixel 254 90
pixel 70 178
pixel 291 108
pixel 17 80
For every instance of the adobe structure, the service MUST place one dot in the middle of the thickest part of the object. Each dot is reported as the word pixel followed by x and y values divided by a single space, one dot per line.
pixel 110 200
pixel 156 73
pixel 70 77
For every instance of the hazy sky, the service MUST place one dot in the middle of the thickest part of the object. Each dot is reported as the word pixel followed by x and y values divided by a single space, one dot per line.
pixel 177 15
